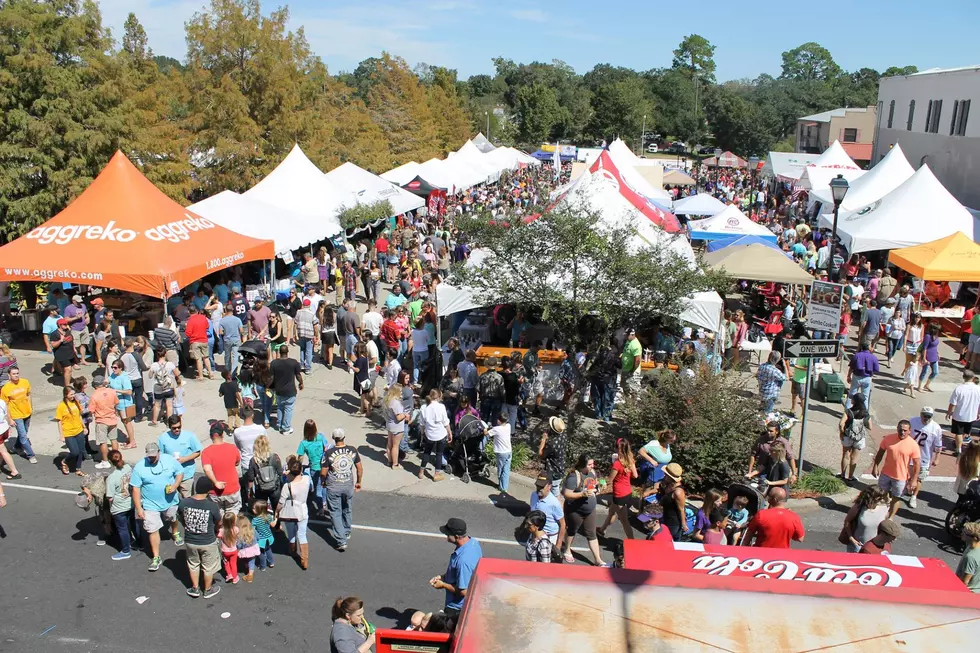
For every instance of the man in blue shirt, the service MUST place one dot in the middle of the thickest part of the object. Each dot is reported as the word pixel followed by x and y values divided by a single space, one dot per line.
pixel 462 565
pixel 395 297
pixel 50 325
pixel 542 499
pixel 155 480
pixel 185 448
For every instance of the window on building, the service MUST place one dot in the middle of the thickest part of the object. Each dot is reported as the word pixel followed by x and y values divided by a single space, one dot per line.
pixel 929 115
pixel 952 122
pixel 963 117
pixel 891 113
pixel 908 126
pixel 937 112
pixel 850 135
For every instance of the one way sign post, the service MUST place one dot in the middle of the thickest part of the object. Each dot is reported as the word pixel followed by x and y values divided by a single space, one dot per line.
pixel 811 348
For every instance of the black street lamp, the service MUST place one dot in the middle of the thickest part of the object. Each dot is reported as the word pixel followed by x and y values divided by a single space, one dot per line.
pixel 838 189
pixel 753 166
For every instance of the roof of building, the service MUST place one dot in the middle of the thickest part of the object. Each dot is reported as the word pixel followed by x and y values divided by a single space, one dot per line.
pixel 934 71
pixel 858 151
pixel 833 113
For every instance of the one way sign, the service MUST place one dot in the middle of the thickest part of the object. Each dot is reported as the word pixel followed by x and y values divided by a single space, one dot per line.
pixel 811 348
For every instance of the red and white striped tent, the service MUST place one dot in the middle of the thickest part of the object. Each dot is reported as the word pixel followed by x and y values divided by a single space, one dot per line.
pixel 725 160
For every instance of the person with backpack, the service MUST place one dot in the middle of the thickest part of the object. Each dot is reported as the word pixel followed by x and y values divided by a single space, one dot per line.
pixel 162 374
pixel 264 474
pixel 580 489
pixel 491 389
pixel 854 427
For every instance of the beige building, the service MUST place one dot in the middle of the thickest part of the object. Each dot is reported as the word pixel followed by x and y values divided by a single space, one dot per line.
pixel 854 128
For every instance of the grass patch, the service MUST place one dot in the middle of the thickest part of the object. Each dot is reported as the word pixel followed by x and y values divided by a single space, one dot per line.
pixel 819 482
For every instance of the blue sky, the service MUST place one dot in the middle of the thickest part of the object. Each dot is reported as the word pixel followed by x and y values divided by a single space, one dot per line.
pixel 466 34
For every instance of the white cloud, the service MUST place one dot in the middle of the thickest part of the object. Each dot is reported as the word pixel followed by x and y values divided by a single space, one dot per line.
pixel 530 15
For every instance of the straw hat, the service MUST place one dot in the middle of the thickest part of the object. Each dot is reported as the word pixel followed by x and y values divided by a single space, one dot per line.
pixel 674 471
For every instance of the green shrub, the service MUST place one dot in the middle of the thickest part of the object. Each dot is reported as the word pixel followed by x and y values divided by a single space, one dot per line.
pixel 820 481
pixel 361 214
pixel 520 456
pixel 716 421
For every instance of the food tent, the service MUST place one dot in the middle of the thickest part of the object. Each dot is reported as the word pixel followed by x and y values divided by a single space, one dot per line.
pixel 882 179
pixel 953 258
pixel 757 263
pixel 431 176
pixel 640 193
pixel 403 174
pixel 678 178
pixel 919 211
pixel 834 161
pixel 482 144
pixel 725 160
pixel 123 232
pixel 477 160
pixel 690 598
pixel 700 204
pixel 729 222
pixel 787 166
pixel 298 186
pixel 368 188
pixel 257 219
pixel 741 241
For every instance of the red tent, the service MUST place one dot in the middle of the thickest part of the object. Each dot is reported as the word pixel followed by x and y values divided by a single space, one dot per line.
pixel 726 160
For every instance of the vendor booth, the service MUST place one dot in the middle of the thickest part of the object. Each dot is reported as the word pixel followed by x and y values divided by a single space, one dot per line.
pixel 482 143
pixel 953 258
pixel 700 204
pixel 367 188
pixel 890 173
pixel 741 241
pixel 787 166
pixel 834 161
pixel 402 174
pixel 693 598
pixel 678 178
pixel 757 263
pixel 122 232
pixel 638 191
pixel 729 223
pixel 288 230
pixel 725 160
pixel 919 211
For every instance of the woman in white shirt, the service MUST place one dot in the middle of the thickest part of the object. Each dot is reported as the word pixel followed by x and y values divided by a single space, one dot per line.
pixel 292 511
pixel 418 345
pixel 437 434
pixel 395 419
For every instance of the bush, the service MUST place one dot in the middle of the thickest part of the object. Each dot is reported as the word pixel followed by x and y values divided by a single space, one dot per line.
pixel 820 481
pixel 521 454
pixel 361 214
pixel 716 421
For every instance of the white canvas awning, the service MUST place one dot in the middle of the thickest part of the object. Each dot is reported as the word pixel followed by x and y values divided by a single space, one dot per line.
pixel 729 223
pixel 919 211
pixel 367 188
pixel 700 204
pixel 482 144
pixel 403 174
pixel 890 173
pixel 250 217
pixel 787 166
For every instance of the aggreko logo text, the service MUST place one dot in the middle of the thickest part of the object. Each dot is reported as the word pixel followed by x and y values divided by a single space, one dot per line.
pixel 171 231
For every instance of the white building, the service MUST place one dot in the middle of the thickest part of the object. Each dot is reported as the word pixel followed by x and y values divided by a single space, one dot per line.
pixel 929 114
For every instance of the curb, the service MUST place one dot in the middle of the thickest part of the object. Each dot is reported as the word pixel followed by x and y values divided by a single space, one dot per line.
pixel 842 498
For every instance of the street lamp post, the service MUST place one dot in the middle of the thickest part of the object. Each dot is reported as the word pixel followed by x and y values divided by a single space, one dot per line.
pixel 838 189
pixel 487 114
pixel 643 133
pixel 753 166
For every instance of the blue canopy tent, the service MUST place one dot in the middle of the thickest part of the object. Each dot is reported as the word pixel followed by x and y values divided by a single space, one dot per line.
pixel 547 156
pixel 740 241
pixel 730 223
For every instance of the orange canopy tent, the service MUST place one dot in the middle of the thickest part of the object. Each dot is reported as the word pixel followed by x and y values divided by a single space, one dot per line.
pixel 953 258
pixel 123 232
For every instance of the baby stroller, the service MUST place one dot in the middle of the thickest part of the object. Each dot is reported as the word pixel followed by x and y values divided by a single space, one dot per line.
pixel 468 458
pixel 756 502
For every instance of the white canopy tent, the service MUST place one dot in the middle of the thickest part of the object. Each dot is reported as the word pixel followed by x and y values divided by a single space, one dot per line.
pixel 834 161
pixel 250 217
pixel 787 166
pixel 700 204
pixel 627 170
pixel 728 224
pixel 882 179
pixel 482 143
pixel 465 173
pixel 919 211
pixel 624 156
pixel 504 158
pixel 403 174
pixel 299 187
pixel 367 188
pixel 435 173
pixel 525 158
pixel 476 159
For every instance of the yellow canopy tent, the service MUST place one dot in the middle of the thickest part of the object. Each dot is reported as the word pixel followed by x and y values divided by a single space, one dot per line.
pixel 953 258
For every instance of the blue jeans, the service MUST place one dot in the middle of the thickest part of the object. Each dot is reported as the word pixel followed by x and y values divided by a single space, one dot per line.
pixel 404 445
pixel 211 343
pixel 76 451
pixel 768 404
pixel 860 384
pixel 231 353
pixel 121 522
pixel 894 345
pixel 339 507
pixel 263 404
pixel 605 399
pixel 285 412
pixel 503 470
pixel 318 491
pixel 23 426
pixel 489 409
pixel 296 531
pixel 265 558
pixel 934 369
pixel 510 410
pixel 306 354
pixel 418 357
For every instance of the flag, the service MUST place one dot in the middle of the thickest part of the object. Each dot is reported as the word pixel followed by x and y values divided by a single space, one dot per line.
pixel 556 160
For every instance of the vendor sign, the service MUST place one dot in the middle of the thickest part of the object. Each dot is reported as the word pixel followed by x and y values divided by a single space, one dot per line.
pixel 823 311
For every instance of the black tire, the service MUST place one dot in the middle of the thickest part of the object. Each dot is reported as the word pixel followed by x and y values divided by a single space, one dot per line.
pixel 955 519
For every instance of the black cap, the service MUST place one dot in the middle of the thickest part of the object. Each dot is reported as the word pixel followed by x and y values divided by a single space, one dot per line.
pixel 455 527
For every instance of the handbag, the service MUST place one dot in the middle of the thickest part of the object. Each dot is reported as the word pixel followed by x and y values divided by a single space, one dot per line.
pixel 289 511
pixel 366 385
pixel 843 537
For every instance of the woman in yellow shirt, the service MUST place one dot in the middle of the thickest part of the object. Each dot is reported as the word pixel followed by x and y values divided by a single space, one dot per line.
pixel 72 431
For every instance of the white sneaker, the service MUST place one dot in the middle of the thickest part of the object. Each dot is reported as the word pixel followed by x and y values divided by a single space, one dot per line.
pixel 911 502
pixel 103 465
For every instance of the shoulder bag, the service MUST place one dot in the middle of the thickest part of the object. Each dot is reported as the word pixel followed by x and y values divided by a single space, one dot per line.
pixel 289 511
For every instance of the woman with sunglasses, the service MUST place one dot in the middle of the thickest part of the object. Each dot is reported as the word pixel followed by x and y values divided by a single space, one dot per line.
pixel 119 381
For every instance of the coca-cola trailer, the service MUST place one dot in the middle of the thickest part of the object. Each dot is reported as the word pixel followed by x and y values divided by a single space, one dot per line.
pixel 695 598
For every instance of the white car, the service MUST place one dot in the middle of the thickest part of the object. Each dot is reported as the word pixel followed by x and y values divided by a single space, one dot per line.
pixel 652 148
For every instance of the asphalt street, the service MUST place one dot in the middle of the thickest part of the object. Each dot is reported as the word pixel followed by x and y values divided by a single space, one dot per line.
pixel 62 592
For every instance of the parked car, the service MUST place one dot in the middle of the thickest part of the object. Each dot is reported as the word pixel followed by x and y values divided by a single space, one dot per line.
pixel 709 151
pixel 678 147
pixel 652 148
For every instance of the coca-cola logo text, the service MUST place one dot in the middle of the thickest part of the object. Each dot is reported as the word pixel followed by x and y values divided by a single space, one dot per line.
pixel 814 572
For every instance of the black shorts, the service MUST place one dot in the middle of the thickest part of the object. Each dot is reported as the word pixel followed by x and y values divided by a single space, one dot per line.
pixel 623 500
pixel 163 395
pixel 961 428
pixel 576 520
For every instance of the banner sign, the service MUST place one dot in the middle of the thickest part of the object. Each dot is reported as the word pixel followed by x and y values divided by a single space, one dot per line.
pixel 566 150
pixel 824 309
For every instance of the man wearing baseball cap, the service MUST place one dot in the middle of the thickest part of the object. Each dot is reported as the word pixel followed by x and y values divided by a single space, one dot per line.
pixel 542 499
pixel 78 319
pixel 155 480
pixel 652 520
pixel 307 327
pixel 201 518
pixel 341 474
pixel 462 565
pixel 927 432
pixel 63 344
pixel 220 463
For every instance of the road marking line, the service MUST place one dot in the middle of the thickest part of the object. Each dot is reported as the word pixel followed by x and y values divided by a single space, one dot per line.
pixel 376 529
pixel 939 479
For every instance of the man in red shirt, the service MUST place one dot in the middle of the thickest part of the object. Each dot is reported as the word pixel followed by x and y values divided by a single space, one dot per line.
pixel 775 526
pixel 656 532
pixel 220 462
pixel 197 341
pixel 381 246
pixel 881 544
pixel 390 333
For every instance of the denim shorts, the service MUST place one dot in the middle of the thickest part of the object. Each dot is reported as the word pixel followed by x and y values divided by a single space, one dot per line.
pixel 893 486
